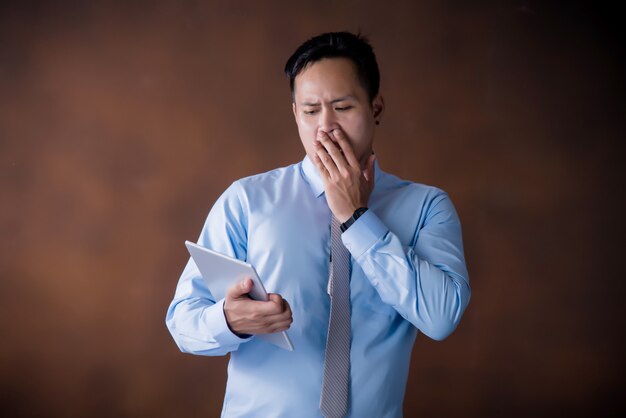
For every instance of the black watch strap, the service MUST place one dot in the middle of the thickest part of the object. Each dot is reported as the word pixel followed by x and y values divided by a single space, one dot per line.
pixel 357 213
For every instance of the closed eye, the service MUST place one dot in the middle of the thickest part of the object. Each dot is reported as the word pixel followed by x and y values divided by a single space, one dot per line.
pixel 343 108
pixel 309 112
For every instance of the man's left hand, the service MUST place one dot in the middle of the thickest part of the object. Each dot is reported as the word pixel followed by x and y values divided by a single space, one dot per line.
pixel 347 185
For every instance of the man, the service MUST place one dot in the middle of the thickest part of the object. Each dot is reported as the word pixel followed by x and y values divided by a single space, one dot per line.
pixel 352 316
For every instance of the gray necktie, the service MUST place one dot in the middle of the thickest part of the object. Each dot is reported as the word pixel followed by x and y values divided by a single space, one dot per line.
pixel 336 383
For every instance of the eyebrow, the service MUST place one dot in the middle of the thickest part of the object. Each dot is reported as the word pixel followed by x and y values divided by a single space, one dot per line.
pixel 340 99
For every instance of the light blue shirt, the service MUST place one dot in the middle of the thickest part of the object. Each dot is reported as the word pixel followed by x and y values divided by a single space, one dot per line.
pixel 408 274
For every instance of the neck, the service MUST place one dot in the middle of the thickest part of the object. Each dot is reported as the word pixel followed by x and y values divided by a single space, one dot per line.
pixel 363 160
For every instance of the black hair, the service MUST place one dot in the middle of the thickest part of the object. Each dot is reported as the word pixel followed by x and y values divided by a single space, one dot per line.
pixel 356 48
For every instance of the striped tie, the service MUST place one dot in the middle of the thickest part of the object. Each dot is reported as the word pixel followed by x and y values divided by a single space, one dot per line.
pixel 336 383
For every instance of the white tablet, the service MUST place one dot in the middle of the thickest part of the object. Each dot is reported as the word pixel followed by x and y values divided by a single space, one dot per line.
pixel 220 272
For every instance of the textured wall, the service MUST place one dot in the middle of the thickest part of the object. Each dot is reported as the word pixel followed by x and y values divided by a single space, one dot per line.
pixel 121 125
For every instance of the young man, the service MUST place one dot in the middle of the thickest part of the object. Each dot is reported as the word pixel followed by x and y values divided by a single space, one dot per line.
pixel 365 259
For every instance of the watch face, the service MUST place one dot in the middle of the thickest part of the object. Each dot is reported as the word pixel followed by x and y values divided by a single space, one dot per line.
pixel 360 211
pixel 357 213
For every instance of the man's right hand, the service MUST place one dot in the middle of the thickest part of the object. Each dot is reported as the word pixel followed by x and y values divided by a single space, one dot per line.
pixel 247 316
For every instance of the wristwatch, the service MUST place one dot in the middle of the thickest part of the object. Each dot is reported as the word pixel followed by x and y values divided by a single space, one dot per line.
pixel 356 215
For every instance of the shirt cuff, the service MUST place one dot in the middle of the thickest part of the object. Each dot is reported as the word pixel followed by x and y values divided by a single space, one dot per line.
pixel 223 335
pixel 363 233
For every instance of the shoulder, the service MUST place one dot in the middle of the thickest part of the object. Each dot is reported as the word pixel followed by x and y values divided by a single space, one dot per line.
pixel 269 182
pixel 402 189
pixel 268 177
pixel 257 188
pixel 407 202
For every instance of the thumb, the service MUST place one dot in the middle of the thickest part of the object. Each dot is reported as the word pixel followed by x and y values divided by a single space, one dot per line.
pixel 240 289
pixel 368 173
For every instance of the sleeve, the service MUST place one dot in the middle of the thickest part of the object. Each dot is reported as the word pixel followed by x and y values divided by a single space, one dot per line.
pixel 194 318
pixel 427 284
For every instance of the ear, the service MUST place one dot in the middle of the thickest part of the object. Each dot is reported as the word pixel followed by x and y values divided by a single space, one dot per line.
pixel 378 107
pixel 293 108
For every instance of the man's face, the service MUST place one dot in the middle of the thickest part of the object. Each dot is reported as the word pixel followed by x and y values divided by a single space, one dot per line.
pixel 329 96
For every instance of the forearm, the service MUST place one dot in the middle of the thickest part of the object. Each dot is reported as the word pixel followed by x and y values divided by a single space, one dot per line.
pixel 430 295
pixel 198 328
pixel 431 299
pixel 196 322
pixel 195 319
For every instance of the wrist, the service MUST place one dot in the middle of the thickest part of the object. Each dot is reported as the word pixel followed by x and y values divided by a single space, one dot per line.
pixel 235 332
pixel 352 219
pixel 343 219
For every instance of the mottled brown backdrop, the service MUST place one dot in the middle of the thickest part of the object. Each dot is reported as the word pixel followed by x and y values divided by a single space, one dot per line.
pixel 120 124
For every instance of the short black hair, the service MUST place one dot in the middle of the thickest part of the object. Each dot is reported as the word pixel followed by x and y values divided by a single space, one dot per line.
pixel 337 45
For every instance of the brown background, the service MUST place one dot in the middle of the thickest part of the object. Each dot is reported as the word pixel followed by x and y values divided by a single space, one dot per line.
pixel 121 125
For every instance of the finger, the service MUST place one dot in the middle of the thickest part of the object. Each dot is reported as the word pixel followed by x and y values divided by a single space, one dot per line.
pixel 277 300
pixel 369 171
pixel 323 151
pixel 287 308
pixel 273 328
pixel 320 166
pixel 346 147
pixel 335 152
pixel 240 289
pixel 281 309
pixel 280 320
pixel 280 326
pixel 325 159
pixel 279 317
pixel 262 310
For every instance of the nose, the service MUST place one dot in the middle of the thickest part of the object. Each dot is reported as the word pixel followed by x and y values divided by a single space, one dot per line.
pixel 327 121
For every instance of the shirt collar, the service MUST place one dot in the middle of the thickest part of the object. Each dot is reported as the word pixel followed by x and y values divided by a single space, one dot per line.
pixel 312 177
